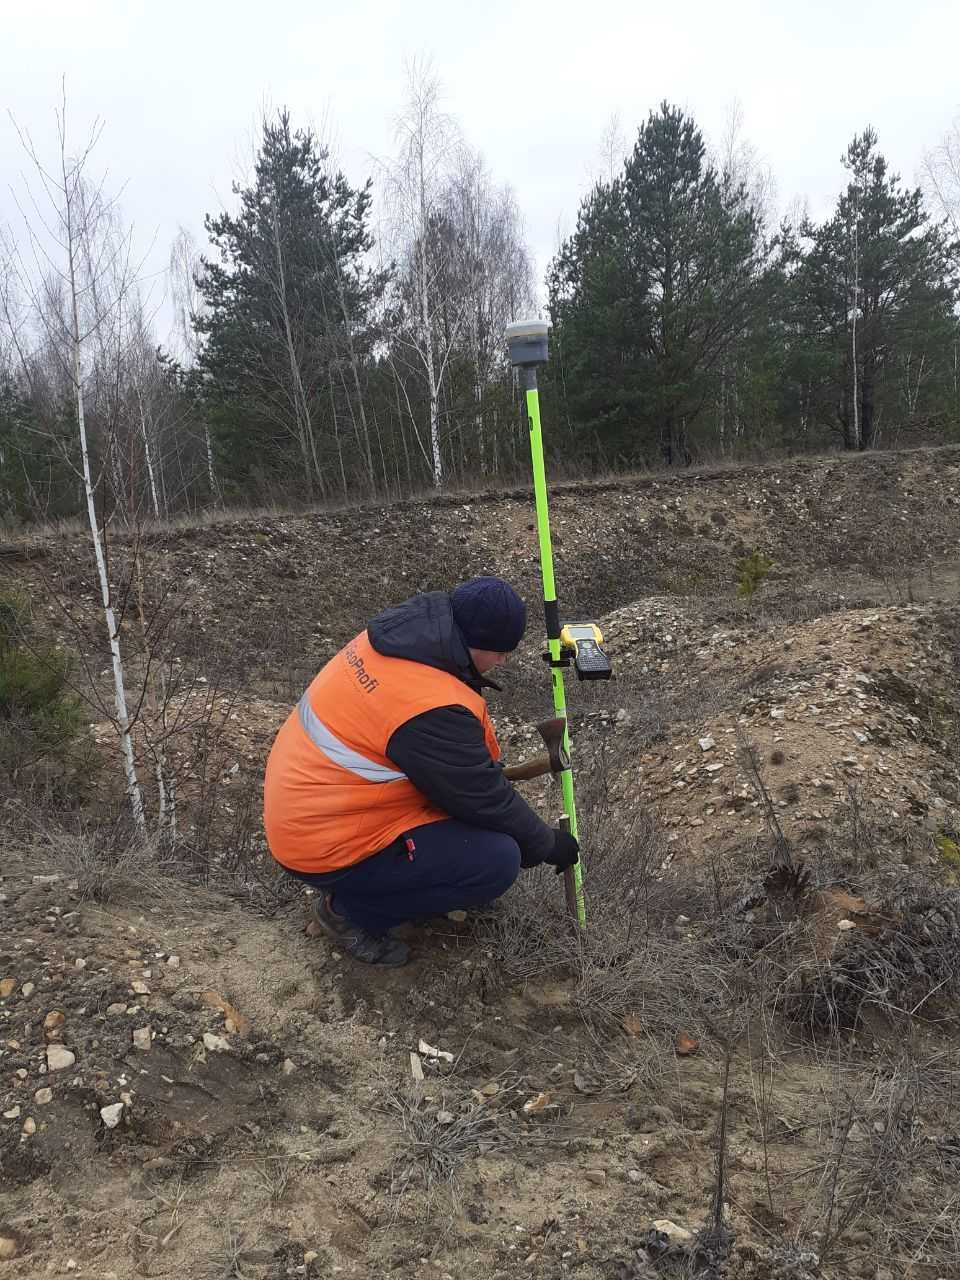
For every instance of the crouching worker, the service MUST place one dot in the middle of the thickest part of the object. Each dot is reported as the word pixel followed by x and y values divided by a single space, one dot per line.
pixel 383 787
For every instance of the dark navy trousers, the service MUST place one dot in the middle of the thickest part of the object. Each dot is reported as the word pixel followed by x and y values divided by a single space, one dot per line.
pixel 451 866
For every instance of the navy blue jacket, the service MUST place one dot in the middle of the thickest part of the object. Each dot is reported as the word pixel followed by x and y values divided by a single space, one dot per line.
pixel 443 751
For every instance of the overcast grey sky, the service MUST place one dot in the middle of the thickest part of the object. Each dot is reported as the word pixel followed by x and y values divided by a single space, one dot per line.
pixel 533 86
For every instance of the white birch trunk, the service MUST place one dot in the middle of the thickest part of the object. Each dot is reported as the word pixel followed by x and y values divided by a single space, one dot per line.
pixel 426 329
pixel 154 500
pixel 478 394
pixel 134 793
pixel 426 347
pixel 853 331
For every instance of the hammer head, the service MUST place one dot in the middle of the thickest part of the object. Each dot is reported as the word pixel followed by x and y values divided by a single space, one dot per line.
pixel 552 731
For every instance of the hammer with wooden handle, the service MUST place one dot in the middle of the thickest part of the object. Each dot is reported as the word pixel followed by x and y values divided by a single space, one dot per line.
pixel 555 760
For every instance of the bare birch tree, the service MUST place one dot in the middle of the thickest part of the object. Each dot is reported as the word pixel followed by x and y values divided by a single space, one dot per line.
pixel 613 148
pixel 749 186
pixel 941 180
pixel 745 171
pixel 491 275
pixel 941 176
pixel 145 400
pixel 188 303
pixel 75 274
pixel 414 182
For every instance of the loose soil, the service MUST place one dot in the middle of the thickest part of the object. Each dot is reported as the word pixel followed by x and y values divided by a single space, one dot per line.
pixel 276 1125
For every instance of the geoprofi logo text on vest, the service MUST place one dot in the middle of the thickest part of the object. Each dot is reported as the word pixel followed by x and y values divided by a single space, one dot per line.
pixel 364 678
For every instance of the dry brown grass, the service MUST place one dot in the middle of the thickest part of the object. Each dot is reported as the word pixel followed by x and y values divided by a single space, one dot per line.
pixel 669 950
pixel 441 1125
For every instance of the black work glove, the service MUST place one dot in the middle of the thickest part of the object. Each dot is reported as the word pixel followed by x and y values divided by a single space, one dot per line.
pixel 565 852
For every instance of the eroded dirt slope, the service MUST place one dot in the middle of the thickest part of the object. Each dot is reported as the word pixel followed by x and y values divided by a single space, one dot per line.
pixel 266 599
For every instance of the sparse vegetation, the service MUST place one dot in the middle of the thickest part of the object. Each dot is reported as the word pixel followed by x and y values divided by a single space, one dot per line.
pixel 439 1132
pixel 39 715
pixel 752 571
pixel 753 1040
pixel 950 854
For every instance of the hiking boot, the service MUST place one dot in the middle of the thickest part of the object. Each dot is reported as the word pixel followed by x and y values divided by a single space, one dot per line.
pixel 357 942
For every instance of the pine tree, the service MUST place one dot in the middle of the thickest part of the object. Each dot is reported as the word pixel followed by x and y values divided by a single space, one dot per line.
pixel 288 313
pixel 597 304
pixel 878 286
pixel 662 278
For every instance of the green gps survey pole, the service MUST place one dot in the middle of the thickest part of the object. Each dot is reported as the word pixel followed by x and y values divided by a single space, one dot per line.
pixel 527 341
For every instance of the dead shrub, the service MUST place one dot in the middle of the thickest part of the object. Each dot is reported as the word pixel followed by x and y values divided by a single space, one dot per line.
pixel 107 862
pixel 634 958
pixel 438 1133
pixel 104 862
pixel 901 964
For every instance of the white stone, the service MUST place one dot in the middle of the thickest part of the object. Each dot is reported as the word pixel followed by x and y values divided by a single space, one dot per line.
pixel 142 1038
pixel 428 1051
pixel 29 1126
pixel 707 743
pixel 59 1058
pixel 289 1066
pixel 675 1234
pixel 173 962
pixel 139 988
pixel 43 1096
pixel 27 989
pixel 114 1010
pixel 111 1115
pixel 12 1114
pixel 215 1044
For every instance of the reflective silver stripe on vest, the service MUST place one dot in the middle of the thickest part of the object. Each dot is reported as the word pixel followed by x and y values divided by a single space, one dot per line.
pixel 338 752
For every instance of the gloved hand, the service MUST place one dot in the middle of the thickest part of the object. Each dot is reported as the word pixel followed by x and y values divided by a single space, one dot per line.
pixel 565 852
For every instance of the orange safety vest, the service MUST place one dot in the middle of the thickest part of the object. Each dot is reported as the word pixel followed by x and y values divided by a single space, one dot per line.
pixel 331 795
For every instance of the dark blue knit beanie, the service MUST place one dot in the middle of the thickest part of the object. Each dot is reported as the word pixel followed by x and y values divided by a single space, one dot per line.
pixel 490 614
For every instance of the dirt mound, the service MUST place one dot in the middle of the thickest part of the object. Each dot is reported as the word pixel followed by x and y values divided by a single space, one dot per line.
pixel 853 712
